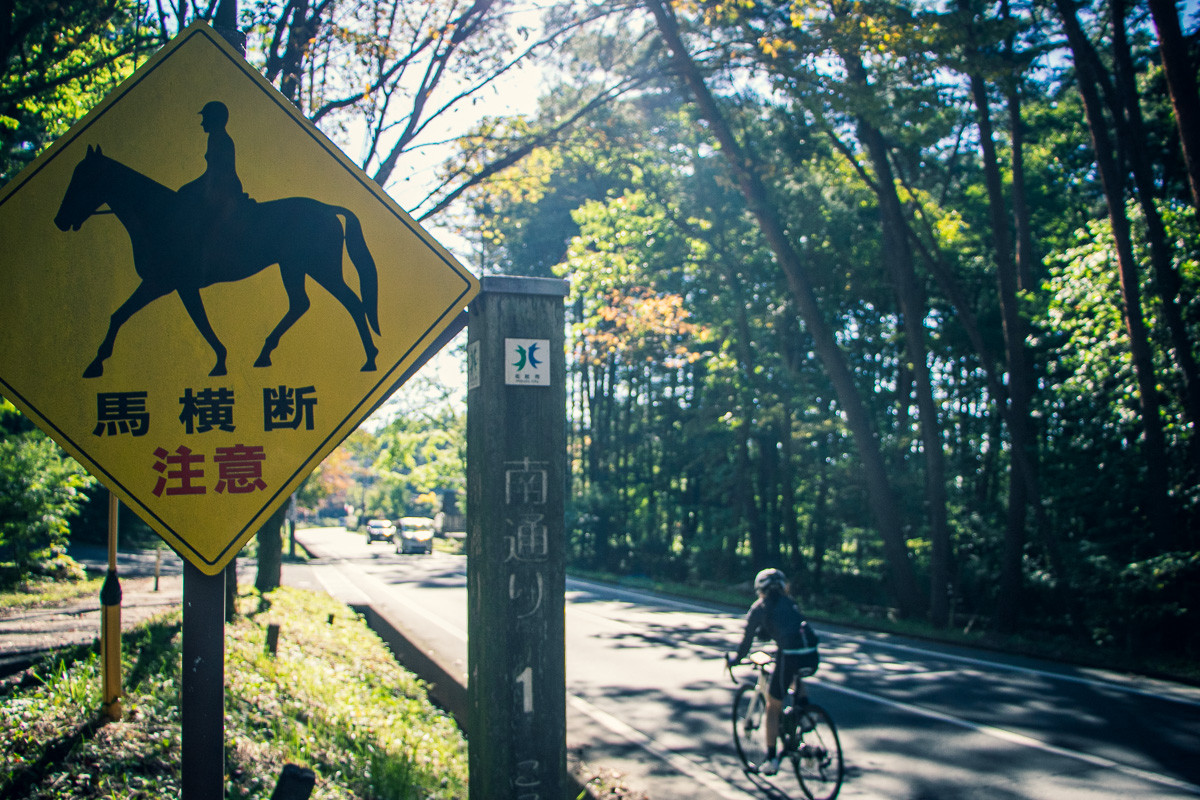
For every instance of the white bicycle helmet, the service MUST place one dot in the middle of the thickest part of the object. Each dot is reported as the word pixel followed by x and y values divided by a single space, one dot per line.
pixel 769 579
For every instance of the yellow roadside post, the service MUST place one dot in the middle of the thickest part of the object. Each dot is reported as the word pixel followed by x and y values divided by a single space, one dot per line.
pixel 110 621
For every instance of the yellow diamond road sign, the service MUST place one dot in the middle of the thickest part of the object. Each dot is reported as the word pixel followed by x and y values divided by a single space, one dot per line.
pixel 202 296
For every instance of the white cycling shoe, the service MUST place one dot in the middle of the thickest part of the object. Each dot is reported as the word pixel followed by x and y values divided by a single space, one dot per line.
pixel 770 766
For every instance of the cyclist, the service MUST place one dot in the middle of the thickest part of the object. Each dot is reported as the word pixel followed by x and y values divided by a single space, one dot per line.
pixel 776 616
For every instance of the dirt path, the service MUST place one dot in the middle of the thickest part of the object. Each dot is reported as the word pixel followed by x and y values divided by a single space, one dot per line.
pixel 26 635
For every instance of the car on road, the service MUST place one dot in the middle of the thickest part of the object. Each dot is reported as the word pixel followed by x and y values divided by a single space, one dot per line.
pixel 414 535
pixel 380 530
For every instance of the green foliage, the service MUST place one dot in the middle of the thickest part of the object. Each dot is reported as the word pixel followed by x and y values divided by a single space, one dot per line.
pixel 1093 375
pixel 40 490
pixel 63 58
pixel 1092 412
pixel 332 700
pixel 708 440
pixel 1151 605
pixel 420 454
pixel 34 722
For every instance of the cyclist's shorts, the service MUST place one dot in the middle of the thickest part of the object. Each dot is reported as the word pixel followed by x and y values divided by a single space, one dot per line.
pixel 786 669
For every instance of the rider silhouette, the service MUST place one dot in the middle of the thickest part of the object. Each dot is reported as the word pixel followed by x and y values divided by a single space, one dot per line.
pixel 212 200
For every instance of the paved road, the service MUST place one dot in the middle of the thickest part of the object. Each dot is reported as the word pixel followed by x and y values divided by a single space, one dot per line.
pixel 647 696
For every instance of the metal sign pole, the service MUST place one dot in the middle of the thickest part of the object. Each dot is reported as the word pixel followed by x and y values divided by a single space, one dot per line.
pixel 516 486
pixel 202 703
pixel 202 694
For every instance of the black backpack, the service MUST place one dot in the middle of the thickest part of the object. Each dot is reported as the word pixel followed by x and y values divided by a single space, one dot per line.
pixel 809 652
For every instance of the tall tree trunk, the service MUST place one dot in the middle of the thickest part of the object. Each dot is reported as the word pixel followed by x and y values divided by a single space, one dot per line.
pixel 1131 128
pixel 270 552
pixel 787 488
pixel 292 37
pixel 1028 469
pixel 1155 503
pixel 746 172
pixel 1181 84
pixel 744 481
pixel 897 255
pixel 1022 216
pixel 819 528
pixel 598 403
pixel 1023 480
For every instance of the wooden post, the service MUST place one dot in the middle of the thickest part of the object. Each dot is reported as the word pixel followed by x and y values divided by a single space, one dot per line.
pixel 516 486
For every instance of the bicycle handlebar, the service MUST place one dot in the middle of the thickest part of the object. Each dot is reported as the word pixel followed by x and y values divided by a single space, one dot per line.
pixel 758 660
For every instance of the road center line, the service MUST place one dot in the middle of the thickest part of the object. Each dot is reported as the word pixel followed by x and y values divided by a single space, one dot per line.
pixel 1096 683
pixel 1101 683
pixel 1016 738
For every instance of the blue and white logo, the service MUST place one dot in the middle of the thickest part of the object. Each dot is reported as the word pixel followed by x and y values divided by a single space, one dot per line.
pixel 527 362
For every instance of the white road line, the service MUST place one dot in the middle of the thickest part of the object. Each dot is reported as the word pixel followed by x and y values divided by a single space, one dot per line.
pixel 1017 739
pixel 680 763
pixel 338 585
pixel 920 675
pixel 646 597
pixel 1095 683
pixel 394 595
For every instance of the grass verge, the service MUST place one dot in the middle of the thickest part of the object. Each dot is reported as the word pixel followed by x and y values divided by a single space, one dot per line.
pixel 331 699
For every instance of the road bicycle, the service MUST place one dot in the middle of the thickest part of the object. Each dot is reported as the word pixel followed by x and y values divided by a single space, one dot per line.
pixel 807 736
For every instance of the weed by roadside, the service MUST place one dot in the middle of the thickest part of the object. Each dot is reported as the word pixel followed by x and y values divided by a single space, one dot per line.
pixel 454 547
pixel 334 699
pixel 331 698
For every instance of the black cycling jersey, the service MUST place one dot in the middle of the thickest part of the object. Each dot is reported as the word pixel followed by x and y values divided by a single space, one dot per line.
pixel 776 616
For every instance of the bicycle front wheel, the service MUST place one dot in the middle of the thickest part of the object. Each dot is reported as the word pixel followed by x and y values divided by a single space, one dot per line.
pixel 818 759
pixel 749 716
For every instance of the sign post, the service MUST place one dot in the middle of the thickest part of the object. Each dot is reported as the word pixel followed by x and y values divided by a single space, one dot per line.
pixel 202 687
pixel 202 683
pixel 516 486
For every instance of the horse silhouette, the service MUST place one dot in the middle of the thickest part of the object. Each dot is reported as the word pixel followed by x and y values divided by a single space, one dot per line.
pixel 173 253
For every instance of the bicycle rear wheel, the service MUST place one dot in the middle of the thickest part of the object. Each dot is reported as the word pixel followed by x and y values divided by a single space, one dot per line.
pixel 818 759
pixel 749 716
